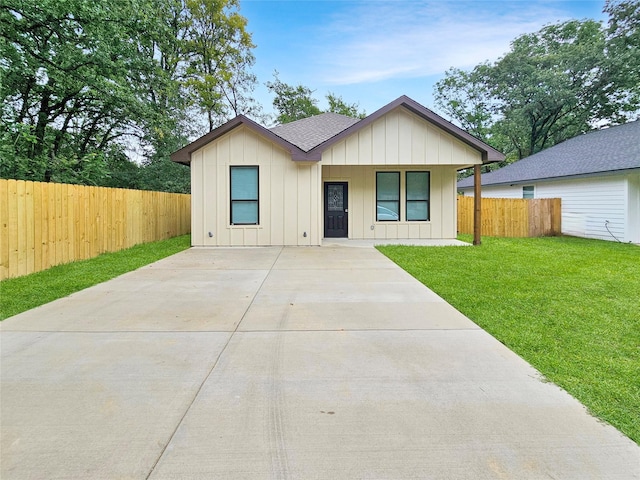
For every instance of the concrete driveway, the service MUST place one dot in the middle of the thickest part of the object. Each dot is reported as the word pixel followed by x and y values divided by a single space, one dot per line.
pixel 282 363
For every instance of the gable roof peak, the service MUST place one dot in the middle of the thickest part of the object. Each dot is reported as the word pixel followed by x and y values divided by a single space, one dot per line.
pixel 307 138
pixel 489 153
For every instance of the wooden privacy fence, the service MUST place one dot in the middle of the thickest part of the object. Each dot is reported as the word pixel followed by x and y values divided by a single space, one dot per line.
pixel 512 217
pixel 47 224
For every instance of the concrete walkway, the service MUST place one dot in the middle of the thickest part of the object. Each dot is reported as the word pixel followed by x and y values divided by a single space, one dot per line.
pixel 282 363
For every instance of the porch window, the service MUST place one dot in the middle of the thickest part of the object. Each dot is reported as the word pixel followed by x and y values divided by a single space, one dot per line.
pixel 244 196
pixel 417 205
pixel 387 196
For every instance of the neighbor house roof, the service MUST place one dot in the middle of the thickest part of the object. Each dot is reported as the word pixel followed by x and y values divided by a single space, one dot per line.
pixel 306 139
pixel 608 150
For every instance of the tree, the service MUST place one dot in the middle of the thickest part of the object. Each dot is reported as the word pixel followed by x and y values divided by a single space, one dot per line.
pixel 83 83
pixel 203 79
pixel 465 97
pixel 338 105
pixel 68 91
pixel 292 102
pixel 623 50
pixel 217 48
pixel 552 85
pixel 296 102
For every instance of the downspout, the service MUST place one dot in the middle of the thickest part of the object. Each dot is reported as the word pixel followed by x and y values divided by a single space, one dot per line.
pixel 477 203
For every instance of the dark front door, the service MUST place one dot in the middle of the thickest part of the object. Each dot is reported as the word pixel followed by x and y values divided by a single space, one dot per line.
pixel 335 209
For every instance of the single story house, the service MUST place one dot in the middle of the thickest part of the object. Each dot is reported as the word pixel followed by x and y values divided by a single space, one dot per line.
pixel 391 175
pixel 597 176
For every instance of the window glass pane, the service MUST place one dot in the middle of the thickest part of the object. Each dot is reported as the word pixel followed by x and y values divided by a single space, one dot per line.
pixel 244 213
pixel 417 210
pixel 335 198
pixel 417 185
pixel 388 211
pixel 417 201
pixel 388 186
pixel 244 195
pixel 244 183
pixel 387 196
pixel 527 192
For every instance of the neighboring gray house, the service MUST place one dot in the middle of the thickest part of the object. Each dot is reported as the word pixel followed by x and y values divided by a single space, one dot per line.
pixel 597 176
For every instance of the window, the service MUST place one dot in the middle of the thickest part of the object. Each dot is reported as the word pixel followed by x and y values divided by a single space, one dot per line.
pixel 417 205
pixel 387 196
pixel 244 195
pixel 528 191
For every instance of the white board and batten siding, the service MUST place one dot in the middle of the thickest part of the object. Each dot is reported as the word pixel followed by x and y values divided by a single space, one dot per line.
pixel 288 194
pixel 590 205
pixel 291 194
pixel 401 138
pixel 361 182
pixel 400 141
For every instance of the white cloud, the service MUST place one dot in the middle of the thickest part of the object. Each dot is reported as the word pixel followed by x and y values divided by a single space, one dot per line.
pixel 380 40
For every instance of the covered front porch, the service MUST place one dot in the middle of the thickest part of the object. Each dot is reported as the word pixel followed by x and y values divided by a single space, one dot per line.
pixel 416 242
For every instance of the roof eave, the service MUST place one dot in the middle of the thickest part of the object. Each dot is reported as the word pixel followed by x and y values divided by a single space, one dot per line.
pixel 602 173
pixel 184 154
pixel 490 155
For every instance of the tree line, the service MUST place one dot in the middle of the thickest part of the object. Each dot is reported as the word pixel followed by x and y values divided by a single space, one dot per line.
pixel 89 86
pixel 552 85
pixel 101 93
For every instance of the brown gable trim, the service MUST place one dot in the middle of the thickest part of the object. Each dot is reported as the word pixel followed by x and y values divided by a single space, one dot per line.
pixel 490 154
pixel 184 154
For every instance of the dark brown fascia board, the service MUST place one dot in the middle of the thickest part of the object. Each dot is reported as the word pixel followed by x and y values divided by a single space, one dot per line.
pixel 184 154
pixel 489 154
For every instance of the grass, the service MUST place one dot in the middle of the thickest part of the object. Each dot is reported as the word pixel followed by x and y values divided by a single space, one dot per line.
pixel 24 293
pixel 569 306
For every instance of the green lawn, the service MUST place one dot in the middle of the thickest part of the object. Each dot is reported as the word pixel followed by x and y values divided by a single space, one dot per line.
pixel 24 293
pixel 569 306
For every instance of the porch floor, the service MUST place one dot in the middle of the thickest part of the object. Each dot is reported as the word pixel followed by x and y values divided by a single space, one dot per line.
pixel 348 242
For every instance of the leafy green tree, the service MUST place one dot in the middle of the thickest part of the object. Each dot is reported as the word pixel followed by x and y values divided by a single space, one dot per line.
pixel 549 87
pixel 203 79
pixel 83 82
pixel 552 85
pixel 164 175
pixel 292 102
pixel 67 84
pixel 623 51
pixel 466 97
pixel 338 105
pixel 296 102
pixel 217 51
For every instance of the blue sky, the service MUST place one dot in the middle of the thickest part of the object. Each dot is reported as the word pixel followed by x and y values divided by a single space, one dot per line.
pixel 373 51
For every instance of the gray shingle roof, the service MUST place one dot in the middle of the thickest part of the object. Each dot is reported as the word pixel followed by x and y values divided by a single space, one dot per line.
pixel 606 150
pixel 311 132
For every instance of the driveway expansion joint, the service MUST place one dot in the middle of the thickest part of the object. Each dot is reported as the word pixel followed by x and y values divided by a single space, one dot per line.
pixel 215 363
